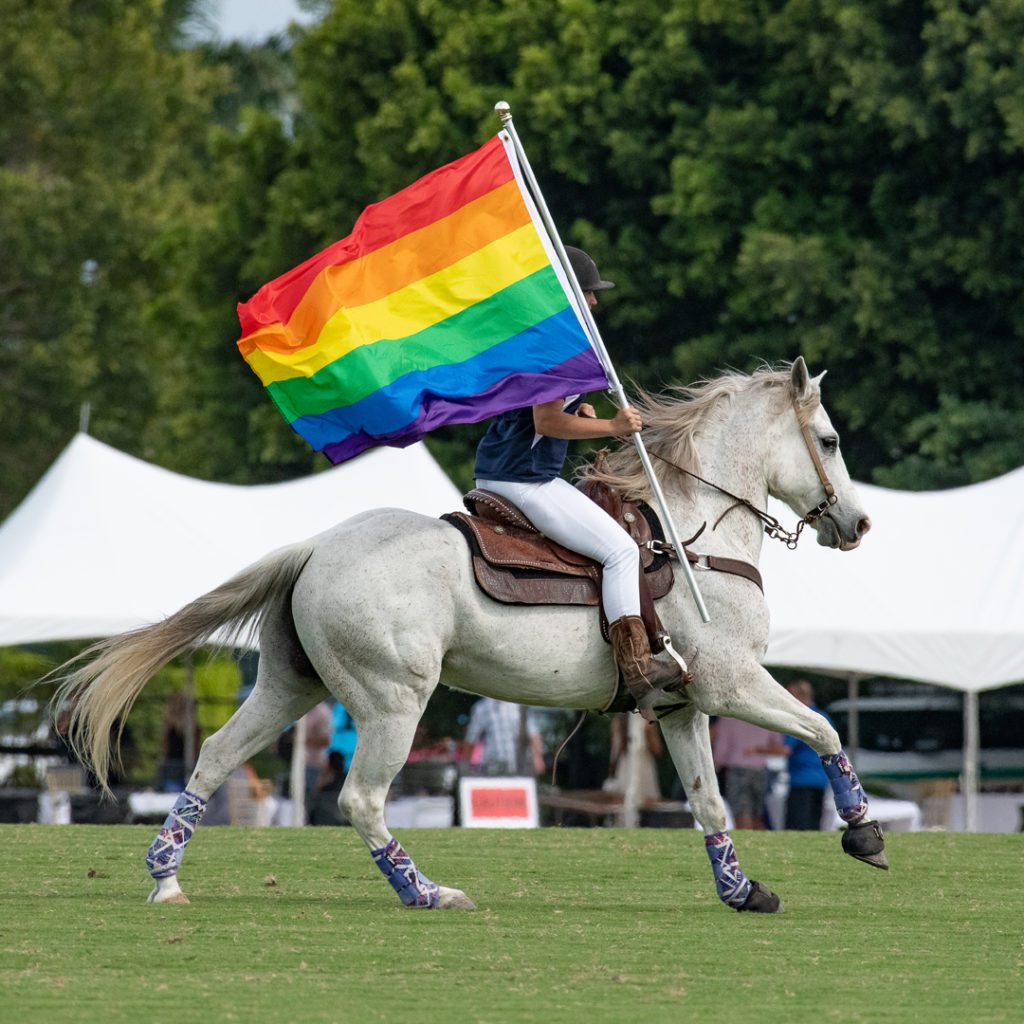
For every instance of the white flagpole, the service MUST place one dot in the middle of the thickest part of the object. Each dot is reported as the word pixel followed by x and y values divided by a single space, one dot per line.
pixel 618 394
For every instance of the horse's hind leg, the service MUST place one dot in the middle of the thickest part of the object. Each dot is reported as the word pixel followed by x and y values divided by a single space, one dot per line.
pixel 382 747
pixel 686 735
pixel 282 694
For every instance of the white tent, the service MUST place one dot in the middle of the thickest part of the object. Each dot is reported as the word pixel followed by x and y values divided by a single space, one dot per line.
pixel 933 594
pixel 106 542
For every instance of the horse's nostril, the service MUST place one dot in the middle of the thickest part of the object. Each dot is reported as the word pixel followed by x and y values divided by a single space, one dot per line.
pixel 863 526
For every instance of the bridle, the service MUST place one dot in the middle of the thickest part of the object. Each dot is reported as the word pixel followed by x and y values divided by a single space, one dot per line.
pixel 772 527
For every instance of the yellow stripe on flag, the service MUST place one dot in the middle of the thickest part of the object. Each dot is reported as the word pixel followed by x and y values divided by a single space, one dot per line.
pixel 411 309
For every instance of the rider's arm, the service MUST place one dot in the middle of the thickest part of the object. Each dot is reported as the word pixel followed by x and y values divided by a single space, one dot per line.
pixel 551 420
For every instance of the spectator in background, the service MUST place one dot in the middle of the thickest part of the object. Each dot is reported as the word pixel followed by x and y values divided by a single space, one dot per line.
pixel 425 748
pixel 242 800
pixel 807 779
pixel 323 807
pixel 618 762
pixel 319 723
pixel 738 749
pixel 496 725
pixel 343 734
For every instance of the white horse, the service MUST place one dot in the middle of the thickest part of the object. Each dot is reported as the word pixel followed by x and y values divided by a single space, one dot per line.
pixel 381 608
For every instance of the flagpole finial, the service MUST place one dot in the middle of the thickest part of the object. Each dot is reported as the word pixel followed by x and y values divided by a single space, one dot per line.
pixel 504 111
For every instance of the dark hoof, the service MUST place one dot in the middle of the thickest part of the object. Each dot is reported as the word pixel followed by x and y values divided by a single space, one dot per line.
pixel 761 900
pixel 865 842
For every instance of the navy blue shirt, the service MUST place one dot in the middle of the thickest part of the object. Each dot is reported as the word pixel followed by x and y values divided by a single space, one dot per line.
pixel 513 450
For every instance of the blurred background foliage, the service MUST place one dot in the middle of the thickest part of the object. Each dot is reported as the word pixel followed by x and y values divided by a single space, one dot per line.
pixel 762 179
pixel 214 681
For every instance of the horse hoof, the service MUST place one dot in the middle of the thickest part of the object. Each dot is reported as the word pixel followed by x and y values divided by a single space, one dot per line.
pixel 167 894
pixel 175 897
pixel 455 899
pixel 864 841
pixel 761 900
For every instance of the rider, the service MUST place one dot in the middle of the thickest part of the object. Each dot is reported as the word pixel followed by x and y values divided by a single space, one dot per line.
pixel 521 458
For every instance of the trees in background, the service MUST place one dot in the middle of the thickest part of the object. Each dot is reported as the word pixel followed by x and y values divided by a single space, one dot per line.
pixel 761 179
pixel 101 144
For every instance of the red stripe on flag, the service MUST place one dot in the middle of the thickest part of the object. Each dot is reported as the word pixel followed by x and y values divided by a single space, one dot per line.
pixel 432 197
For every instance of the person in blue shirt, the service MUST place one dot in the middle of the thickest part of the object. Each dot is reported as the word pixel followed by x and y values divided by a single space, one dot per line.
pixel 343 734
pixel 807 779
pixel 521 458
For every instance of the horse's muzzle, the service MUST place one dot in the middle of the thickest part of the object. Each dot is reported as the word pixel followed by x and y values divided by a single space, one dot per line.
pixel 833 534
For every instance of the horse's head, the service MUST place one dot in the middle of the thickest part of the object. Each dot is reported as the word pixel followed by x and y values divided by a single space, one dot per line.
pixel 805 463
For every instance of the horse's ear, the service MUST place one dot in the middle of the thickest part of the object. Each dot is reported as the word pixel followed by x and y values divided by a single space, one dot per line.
pixel 805 387
pixel 800 379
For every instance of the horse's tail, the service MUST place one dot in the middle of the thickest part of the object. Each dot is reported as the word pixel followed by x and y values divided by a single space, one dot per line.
pixel 101 692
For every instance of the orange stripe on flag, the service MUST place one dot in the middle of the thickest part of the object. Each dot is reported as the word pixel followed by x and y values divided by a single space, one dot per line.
pixel 408 259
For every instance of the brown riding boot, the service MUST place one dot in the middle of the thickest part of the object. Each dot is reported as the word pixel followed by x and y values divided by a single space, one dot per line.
pixel 647 678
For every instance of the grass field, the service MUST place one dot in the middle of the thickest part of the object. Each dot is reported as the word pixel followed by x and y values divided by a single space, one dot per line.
pixel 589 925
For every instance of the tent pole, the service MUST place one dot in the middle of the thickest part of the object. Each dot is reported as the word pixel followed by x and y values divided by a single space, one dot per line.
pixel 297 781
pixel 853 719
pixel 636 739
pixel 524 764
pixel 189 752
pixel 969 779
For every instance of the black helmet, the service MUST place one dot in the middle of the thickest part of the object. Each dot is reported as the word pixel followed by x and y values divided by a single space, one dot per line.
pixel 586 271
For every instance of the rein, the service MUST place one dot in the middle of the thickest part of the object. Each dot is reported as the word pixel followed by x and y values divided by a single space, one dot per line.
pixel 772 527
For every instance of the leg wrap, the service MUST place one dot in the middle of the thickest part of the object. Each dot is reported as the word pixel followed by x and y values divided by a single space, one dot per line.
pixel 168 849
pixel 851 803
pixel 414 889
pixel 733 886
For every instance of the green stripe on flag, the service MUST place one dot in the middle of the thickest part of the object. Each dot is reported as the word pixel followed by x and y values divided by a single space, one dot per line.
pixel 369 368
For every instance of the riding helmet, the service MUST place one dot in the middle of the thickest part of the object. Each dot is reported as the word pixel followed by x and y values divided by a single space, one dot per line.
pixel 586 271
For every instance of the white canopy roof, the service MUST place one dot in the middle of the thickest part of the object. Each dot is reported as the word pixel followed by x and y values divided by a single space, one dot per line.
pixel 106 542
pixel 934 593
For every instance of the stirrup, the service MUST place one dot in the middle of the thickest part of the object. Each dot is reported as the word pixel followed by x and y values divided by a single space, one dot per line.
pixel 685 661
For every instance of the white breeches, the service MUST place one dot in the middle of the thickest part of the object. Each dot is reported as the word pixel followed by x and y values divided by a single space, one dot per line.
pixel 570 518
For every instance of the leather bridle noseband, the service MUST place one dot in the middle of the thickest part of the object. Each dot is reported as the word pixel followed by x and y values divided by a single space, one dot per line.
pixel 772 527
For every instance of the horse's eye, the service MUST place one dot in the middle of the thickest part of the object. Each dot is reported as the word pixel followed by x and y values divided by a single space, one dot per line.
pixel 830 444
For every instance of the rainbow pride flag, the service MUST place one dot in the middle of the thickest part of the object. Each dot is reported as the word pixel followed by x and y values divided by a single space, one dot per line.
pixel 443 306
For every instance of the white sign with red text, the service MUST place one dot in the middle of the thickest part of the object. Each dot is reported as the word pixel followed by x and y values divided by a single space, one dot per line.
pixel 500 802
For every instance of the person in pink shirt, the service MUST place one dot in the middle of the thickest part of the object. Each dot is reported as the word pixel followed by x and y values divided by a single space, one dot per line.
pixel 737 749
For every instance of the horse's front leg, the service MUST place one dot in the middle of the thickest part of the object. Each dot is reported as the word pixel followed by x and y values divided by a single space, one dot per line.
pixel 756 697
pixel 686 735
pixel 382 747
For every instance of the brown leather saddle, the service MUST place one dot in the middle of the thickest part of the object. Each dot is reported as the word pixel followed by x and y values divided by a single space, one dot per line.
pixel 515 564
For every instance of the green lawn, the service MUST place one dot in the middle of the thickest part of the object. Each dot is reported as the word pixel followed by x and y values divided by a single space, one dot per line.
pixel 592 925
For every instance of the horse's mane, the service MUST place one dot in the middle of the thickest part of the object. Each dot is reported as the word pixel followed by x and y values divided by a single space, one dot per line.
pixel 673 423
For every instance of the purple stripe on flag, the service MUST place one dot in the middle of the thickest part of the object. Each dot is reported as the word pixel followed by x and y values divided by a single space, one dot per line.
pixel 581 373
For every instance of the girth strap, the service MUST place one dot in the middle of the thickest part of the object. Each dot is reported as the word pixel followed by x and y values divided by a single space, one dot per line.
pixel 733 566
